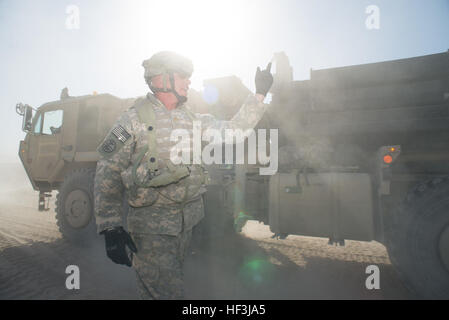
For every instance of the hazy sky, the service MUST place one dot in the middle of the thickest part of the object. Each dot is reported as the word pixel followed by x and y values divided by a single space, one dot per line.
pixel 40 55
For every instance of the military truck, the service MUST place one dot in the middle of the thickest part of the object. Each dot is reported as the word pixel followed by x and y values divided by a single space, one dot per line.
pixel 363 155
pixel 59 153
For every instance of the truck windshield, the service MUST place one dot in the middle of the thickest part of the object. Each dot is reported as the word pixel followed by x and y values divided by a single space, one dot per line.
pixel 52 122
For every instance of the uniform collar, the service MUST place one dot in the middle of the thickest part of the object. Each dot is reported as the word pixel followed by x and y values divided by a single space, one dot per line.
pixel 154 100
pixel 157 103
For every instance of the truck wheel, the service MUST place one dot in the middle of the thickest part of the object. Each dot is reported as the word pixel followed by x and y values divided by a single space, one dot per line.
pixel 418 239
pixel 74 207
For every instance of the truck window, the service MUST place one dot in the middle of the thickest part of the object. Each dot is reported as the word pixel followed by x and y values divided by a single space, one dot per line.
pixel 52 122
pixel 38 125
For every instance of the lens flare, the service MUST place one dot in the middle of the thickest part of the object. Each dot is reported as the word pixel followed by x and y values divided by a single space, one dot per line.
pixel 256 272
pixel 210 94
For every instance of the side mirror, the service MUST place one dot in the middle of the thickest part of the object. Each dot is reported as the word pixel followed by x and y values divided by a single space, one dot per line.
pixel 27 113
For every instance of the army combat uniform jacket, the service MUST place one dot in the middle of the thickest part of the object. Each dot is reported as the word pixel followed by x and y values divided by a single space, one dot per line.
pixel 125 158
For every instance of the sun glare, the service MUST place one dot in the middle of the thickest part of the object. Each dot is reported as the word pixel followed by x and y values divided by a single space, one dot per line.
pixel 211 33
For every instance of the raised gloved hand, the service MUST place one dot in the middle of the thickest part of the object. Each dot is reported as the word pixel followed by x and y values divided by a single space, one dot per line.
pixel 264 80
pixel 116 241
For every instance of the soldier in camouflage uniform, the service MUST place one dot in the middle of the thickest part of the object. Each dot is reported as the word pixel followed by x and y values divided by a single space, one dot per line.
pixel 165 200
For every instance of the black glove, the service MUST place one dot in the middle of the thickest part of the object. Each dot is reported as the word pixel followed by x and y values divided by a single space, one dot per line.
pixel 264 80
pixel 115 240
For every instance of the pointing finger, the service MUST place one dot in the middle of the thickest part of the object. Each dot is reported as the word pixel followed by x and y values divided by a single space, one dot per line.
pixel 269 67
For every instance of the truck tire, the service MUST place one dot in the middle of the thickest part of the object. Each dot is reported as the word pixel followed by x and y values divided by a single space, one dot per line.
pixel 418 239
pixel 74 207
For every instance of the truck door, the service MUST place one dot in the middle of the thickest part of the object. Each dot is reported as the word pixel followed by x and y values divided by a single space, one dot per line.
pixel 46 143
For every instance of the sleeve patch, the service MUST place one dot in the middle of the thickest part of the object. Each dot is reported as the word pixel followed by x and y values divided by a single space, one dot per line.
pixel 121 134
pixel 108 146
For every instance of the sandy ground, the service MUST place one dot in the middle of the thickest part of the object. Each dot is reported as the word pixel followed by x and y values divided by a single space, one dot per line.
pixel 250 265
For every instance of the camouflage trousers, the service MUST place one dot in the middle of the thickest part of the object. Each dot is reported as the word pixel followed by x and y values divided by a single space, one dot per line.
pixel 161 248
pixel 159 265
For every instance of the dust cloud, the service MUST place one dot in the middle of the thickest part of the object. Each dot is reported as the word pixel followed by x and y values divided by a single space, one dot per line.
pixel 249 265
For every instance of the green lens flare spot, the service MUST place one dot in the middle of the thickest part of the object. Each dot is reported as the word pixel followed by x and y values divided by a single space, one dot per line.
pixel 257 272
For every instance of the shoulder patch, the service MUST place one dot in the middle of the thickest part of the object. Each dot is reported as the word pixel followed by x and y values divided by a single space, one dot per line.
pixel 108 146
pixel 121 134
pixel 114 141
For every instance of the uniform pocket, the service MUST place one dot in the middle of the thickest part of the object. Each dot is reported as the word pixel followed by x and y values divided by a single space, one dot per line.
pixel 142 197
pixel 138 197
pixel 155 220
pixel 142 174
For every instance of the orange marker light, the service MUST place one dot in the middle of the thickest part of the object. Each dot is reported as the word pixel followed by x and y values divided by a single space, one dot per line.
pixel 392 149
pixel 388 159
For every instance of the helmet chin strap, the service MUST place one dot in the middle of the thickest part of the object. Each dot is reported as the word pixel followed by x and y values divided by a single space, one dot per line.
pixel 181 99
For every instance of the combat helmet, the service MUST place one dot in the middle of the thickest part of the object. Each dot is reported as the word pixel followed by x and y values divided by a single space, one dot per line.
pixel 166 63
